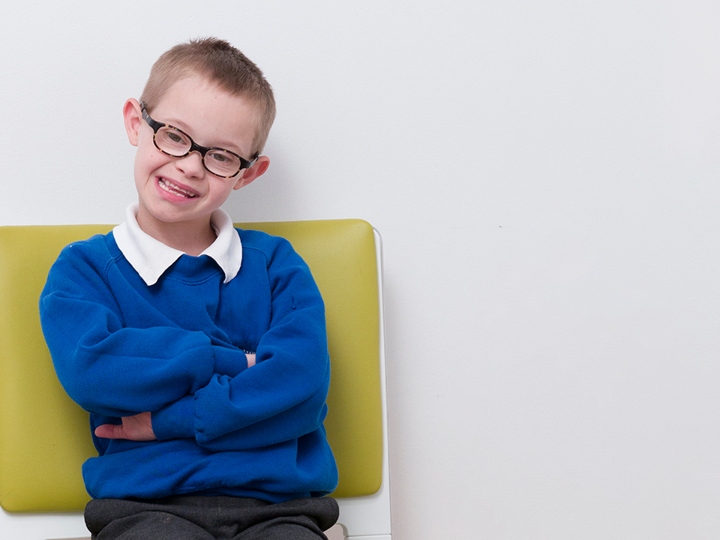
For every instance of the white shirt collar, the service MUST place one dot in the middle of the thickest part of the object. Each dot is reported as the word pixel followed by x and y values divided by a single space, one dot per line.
pixel 151 258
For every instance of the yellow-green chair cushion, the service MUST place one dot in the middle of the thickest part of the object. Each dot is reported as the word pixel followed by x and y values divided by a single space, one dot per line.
pixel 45 437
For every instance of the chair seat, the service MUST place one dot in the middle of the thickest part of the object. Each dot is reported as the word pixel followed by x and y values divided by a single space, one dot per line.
pixel 41 476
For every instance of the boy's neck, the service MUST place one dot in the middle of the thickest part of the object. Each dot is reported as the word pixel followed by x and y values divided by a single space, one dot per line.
pixel 189 237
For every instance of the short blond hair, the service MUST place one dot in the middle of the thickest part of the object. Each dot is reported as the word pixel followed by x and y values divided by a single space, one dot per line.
pixel 220 63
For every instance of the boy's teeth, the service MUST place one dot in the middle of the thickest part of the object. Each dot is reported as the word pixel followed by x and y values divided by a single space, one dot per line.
pixel 172 188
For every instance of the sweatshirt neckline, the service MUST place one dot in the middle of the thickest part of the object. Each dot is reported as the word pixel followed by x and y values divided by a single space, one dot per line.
pixel 151 258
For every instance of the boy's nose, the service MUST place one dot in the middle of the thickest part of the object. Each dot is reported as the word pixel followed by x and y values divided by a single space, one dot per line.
pixel 191 165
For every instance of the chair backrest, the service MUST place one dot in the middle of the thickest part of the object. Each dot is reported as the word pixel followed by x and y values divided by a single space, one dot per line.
pixel 44 436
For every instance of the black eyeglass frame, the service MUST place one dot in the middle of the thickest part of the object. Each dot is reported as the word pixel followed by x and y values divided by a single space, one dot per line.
pixel 194 147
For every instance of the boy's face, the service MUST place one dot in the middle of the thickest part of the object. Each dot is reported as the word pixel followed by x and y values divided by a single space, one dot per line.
pixel 175 190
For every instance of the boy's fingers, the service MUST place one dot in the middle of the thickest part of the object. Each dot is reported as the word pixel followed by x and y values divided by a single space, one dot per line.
pixel 133 428
pixel 109 431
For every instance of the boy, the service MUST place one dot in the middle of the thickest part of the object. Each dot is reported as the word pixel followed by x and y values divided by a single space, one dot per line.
pixel 199 350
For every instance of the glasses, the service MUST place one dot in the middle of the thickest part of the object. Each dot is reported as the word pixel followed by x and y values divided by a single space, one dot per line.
pixel 176 143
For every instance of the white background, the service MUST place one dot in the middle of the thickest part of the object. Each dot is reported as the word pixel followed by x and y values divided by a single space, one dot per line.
pixel 545 178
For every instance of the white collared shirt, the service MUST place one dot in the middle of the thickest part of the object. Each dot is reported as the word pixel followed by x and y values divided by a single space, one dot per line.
pixel 151 258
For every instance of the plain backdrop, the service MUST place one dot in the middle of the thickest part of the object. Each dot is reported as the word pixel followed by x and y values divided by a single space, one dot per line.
pixel 545 179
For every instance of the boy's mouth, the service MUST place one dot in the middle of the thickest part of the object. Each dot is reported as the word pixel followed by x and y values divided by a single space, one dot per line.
pixel 168 186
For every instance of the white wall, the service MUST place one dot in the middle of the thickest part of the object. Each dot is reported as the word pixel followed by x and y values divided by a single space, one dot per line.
pixel 545 177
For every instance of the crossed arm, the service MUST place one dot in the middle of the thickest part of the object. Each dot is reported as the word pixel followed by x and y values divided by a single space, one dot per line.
pixel 200 390
pixel 139 426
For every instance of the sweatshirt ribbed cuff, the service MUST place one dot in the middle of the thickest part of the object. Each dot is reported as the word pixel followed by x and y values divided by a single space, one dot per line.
pixel 175 421
pixel 229 361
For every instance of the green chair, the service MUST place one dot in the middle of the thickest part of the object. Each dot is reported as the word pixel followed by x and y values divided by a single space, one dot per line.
pixel 45 437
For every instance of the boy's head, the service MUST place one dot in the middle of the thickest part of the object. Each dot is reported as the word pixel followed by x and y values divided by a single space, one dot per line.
pixel 219 63
pixel 199 129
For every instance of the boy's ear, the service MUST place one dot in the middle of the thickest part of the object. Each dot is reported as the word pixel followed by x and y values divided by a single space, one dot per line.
pixel 257 170
pixel 132 114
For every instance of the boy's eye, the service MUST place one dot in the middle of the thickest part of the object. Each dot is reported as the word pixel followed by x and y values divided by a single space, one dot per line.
pixel 175 137
pixel 222 162
pixel 220 157
pixel 172 137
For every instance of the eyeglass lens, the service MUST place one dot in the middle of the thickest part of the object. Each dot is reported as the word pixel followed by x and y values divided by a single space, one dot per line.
pixel 176 143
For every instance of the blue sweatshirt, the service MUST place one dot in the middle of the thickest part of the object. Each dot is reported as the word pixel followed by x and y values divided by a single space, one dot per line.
pixel 177 349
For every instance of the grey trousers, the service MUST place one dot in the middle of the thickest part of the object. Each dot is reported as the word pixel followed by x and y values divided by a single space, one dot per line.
pixel 192 517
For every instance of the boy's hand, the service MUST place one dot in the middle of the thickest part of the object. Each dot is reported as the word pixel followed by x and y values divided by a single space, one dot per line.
pixel 133 428
pixel 251 360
